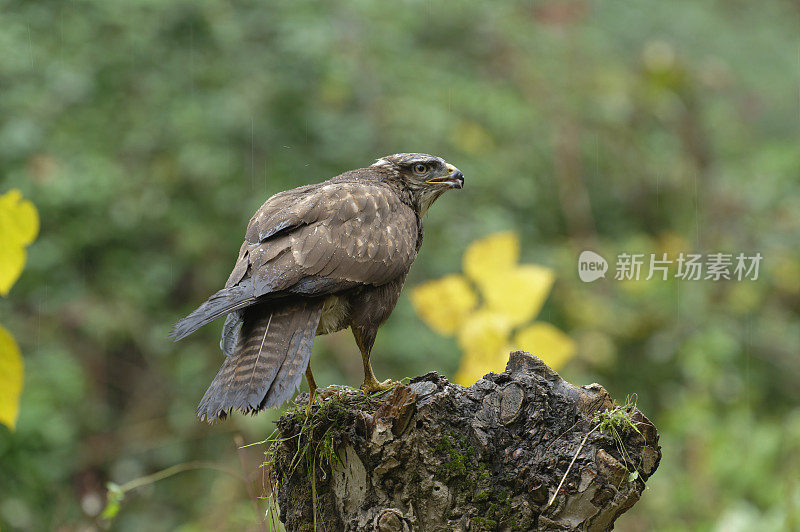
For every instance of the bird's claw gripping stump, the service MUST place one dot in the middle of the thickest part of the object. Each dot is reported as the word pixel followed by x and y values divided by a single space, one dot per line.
pixel 519 450
pixel 373 386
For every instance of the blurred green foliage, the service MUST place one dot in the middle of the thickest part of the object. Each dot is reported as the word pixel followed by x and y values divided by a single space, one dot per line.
pixel 146 133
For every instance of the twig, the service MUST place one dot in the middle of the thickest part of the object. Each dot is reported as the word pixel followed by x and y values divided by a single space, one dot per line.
pixel 174 470
pixel 580 447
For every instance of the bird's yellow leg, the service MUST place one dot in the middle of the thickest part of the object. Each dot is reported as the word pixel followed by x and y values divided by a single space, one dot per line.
pixel 365 338
pixel 312 388
pixel 371 384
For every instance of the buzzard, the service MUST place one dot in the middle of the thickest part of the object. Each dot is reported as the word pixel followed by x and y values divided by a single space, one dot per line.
pixel 315 260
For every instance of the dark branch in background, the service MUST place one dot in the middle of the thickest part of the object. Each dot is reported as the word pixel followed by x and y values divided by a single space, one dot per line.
pixel 520 450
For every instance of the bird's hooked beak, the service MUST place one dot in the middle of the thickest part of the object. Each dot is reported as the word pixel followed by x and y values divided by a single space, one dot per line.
pixel 453 179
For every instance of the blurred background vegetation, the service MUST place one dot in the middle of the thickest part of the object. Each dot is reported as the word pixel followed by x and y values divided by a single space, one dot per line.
pixel 146 134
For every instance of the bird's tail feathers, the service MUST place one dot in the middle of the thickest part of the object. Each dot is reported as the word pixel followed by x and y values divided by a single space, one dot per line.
pixel 223 302
pixel 274 347
pixel 230 332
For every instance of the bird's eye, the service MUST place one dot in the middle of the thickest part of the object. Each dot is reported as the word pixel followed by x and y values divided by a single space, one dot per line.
pixel 420 168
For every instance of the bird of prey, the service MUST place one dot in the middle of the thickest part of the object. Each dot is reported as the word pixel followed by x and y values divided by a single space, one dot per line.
pixel 315 260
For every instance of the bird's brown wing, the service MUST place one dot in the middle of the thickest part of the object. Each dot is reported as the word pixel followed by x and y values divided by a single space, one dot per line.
pixel 315 241
pixel 351 232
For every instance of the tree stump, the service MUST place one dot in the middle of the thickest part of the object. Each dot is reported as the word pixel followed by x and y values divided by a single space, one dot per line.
pixel 436 456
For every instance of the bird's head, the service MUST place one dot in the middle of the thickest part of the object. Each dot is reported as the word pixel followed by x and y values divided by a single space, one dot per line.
pixel 424 176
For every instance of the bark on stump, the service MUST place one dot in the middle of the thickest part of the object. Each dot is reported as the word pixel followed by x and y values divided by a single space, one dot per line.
pixel 435 456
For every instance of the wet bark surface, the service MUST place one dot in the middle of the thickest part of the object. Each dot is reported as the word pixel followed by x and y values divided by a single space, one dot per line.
pixel 436 456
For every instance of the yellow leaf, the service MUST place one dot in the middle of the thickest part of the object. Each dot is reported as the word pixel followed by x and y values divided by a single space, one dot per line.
pixel 11 372
pixel 484 340
pixel 546 342
pixel 483 330
pixel 512 296
pixel 519 293
pixel 19 225
pixel 476 364
pixel 491 256
pixel 444 304
pixel 18 217
pixel 12 260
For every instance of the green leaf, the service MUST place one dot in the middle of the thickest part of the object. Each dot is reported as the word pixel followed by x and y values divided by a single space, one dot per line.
pixel 113 501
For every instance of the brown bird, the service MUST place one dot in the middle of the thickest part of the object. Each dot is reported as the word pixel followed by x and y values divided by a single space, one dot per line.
pixel 315 260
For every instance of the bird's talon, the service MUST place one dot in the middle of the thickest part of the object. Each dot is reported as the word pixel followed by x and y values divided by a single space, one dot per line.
pixel 375 386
